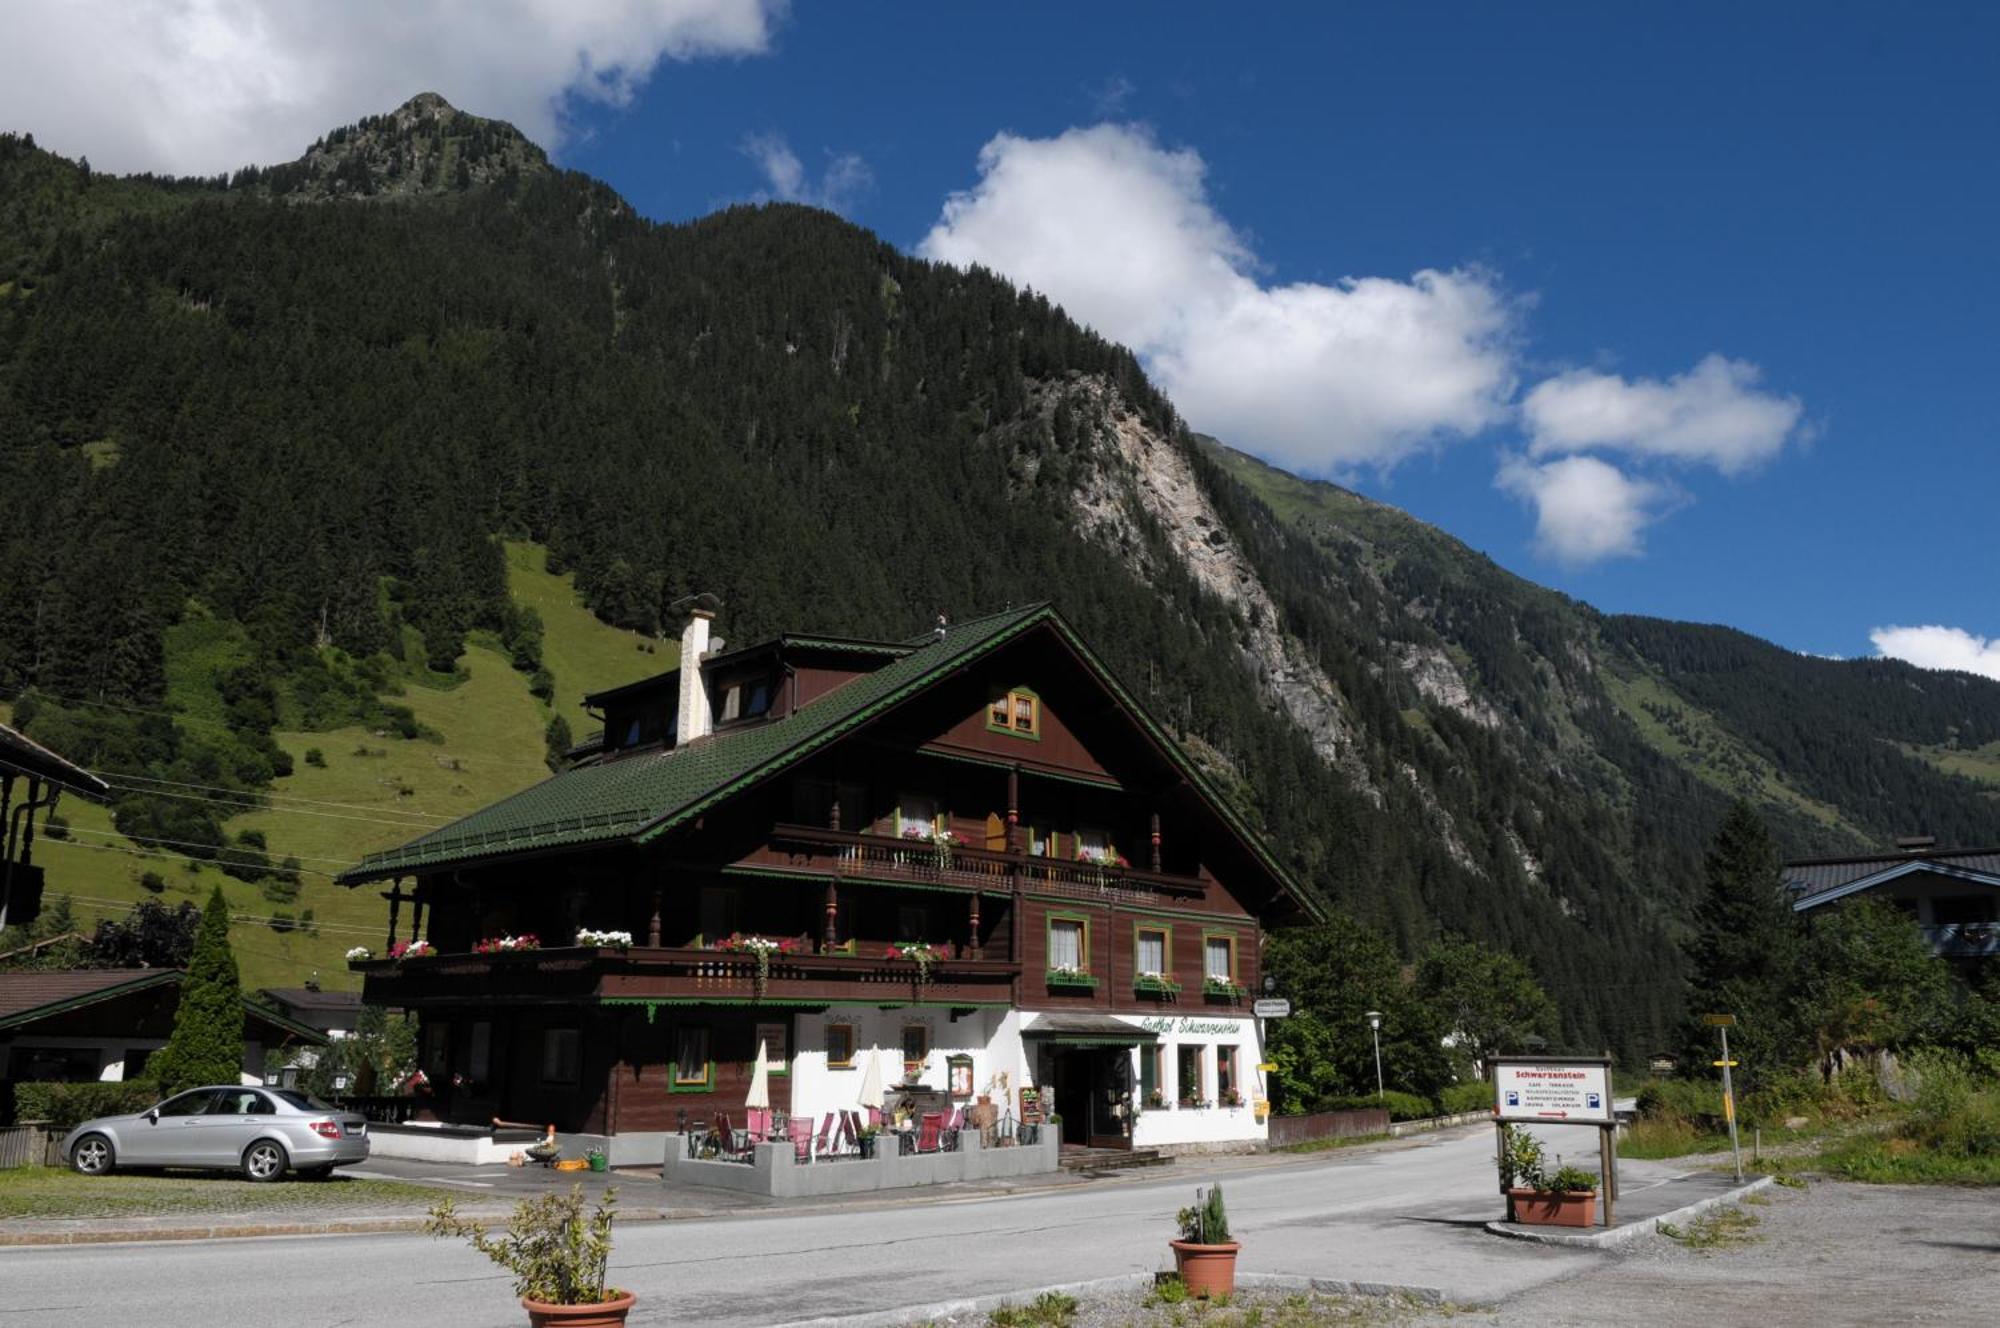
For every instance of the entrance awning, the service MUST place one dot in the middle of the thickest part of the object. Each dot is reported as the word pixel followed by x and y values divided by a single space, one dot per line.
pixel 1088 1030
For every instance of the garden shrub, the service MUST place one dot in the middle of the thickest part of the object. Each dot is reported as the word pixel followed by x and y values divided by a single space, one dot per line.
pixel 1473 1095
pixel 1402 1106
pixel 66 1106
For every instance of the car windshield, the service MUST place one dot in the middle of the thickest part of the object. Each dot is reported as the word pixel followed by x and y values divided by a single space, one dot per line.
pixel 303 1101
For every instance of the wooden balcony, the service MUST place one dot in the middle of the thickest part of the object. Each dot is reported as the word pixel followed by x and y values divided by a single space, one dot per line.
pixel 811 851
pixel 649 976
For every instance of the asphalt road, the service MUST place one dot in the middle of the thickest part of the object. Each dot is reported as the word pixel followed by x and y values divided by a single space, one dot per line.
pixel 1410 1215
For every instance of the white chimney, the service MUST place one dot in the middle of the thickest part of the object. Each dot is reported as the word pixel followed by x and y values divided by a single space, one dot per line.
pixel 694 719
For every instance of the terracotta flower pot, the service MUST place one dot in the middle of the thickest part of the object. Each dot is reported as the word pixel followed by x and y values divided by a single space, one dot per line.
pixel 604 1314
pixel 1208 1270
pixel 1555 1208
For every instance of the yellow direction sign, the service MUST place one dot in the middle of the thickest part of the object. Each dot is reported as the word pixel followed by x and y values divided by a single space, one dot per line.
pixel 1719 1020
pixel 1731 1064
pixel 1268 1067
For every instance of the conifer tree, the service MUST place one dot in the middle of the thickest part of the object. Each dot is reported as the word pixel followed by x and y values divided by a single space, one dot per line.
pixel 1742 953
pixel 207 1042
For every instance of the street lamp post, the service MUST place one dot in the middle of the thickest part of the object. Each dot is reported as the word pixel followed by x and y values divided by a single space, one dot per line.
pixel 1374 1018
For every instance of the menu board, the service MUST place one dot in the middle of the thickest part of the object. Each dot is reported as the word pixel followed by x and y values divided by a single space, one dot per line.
pixel 1031 1106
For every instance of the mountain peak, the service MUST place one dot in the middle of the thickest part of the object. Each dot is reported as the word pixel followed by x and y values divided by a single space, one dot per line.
pixel 425 146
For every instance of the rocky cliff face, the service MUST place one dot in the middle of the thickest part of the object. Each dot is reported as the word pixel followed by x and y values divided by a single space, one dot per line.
pixel 424 146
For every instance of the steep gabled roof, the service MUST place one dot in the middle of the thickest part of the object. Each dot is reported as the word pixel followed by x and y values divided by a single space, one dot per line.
pixel 638 798
pixel 1816 881
pixel 22 754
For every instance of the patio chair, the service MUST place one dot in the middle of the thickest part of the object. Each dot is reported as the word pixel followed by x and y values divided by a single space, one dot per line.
pixel 927 1138
pixel 802 1138
pixel 825 1135
pixel 850 1132
pixel 758 1122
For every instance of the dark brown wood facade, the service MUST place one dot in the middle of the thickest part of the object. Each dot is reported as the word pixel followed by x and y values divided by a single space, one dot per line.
pixel 817 856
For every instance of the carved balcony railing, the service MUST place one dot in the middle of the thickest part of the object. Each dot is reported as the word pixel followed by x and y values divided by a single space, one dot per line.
pixel 645 975
pixel 818 852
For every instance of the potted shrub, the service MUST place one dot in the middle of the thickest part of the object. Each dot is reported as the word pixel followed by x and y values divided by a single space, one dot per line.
pixel 867 1141
pixel 1566 1199
pixel 1205 1255
pixel 556 1254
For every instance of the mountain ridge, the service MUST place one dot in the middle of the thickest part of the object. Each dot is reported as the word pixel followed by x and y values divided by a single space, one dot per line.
pixel 312 416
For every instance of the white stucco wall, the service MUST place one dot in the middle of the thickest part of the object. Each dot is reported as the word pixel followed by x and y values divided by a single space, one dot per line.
pixel 989 1036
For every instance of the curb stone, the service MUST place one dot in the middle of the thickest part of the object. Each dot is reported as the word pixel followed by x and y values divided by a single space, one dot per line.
pixel 355 1226
pixel 1614 1237
pixel 916 1314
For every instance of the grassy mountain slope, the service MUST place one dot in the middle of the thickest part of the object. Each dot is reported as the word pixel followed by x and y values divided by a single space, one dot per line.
pixel 482 739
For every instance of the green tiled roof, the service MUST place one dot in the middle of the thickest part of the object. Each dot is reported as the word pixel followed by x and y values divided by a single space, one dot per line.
pixel 638 797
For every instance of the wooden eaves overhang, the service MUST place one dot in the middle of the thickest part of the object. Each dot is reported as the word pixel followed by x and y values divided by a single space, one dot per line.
pixel 657 792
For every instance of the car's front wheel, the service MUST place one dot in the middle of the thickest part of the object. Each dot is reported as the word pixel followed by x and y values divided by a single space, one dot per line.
pixel 93 1155
pixel 264 1161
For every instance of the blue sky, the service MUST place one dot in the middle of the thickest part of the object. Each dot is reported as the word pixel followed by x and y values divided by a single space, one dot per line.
pixel 1685 312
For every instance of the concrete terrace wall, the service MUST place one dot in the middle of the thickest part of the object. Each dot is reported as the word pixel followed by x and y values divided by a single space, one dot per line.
pixel 775 1170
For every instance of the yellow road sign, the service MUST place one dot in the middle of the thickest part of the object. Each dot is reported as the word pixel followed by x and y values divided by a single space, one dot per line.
pixel 1719 1020
pixel 1731 1064
pixel 1269 1067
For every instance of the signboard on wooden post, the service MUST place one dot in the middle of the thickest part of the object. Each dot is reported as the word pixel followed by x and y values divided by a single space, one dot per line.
pixel 1559 1090
pixel 1553 1091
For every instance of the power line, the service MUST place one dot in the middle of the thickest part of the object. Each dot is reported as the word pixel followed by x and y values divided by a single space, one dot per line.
pixel 259 807
pixel 166 857
pixel 102 904
pixel 284 797
pixel 218 850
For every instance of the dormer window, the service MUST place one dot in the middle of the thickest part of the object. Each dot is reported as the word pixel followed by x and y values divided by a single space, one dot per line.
pixel 1019 712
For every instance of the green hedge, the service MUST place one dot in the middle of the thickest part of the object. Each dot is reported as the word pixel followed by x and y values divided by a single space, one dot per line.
pixel 65 1106
pixel 1474 1095
pixel 1402 1106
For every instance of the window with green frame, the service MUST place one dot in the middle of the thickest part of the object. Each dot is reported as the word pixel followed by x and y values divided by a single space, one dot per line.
pixel 1218 957
pixel 1019 712
pixel 1069 942
pixel 694 1072
pixel 1152 949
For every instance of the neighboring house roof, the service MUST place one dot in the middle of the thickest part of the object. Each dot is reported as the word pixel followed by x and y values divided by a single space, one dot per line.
pixel 29 997
pixel 1816 881
pixel 22 754
pixel 637 798
pixel 310 998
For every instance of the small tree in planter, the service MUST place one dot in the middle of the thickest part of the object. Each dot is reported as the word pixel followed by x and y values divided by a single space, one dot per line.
pixel 557 1257
pixel 1566 1199
pixel 1204 1254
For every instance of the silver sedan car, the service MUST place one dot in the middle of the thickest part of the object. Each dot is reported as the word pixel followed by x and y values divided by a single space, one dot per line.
pixel 264 1132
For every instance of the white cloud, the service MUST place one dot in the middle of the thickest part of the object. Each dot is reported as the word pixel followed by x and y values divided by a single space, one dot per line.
pixel 840 185
pixel 1316 377
pixel 1936 647
pixel 1714 413
pixel 204 86
pixel 1586 510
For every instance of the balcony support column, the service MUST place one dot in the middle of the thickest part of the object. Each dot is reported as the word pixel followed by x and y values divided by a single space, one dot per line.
pixel 653 920
pixel 829 937
pixel 1156 843
pixel 1013 808
pixel 972 946
pixel 394 894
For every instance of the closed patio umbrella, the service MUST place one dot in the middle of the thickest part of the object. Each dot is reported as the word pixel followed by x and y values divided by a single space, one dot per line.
pixel 757 1102
pixel 871 1087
